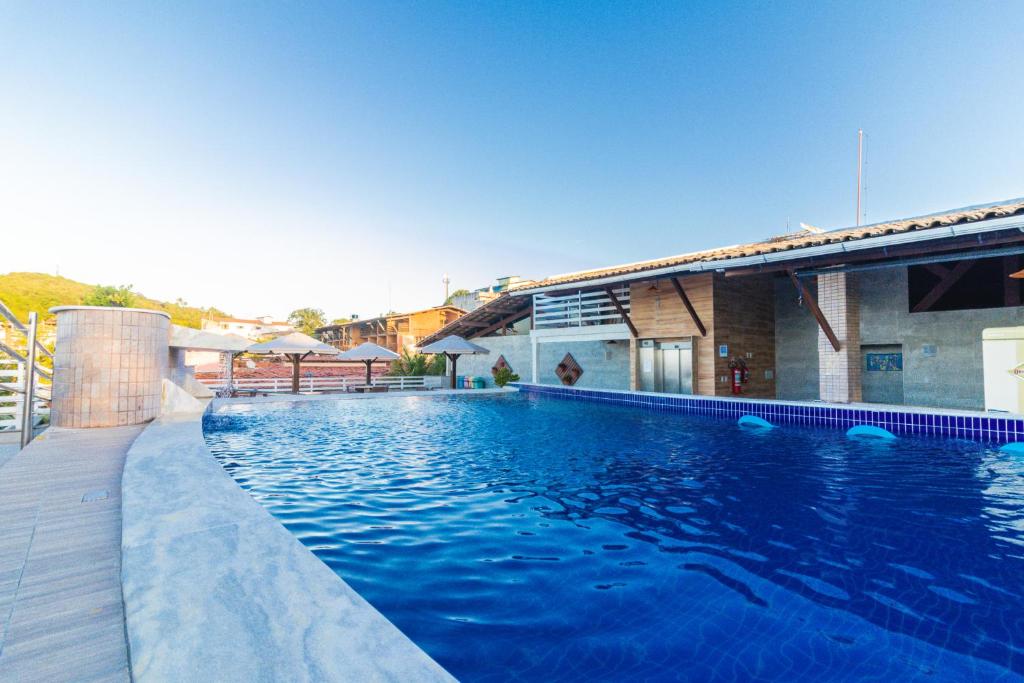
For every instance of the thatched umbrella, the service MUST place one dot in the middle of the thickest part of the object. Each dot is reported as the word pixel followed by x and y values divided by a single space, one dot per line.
pixel 199 340
pixel 295 347
pixel 368 353
pixel 453 346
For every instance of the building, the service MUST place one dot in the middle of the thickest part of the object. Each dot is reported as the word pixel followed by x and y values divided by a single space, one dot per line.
pixel 478 297
pixel 397 331
pixel 260 326
pixel 888 313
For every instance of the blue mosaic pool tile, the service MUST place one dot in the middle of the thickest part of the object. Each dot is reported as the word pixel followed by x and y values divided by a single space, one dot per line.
pixel 993 429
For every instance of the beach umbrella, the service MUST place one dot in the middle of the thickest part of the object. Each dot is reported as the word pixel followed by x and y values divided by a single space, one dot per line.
pixel 368 353
pixel 453 346
pixel 295 347
pixel 200 340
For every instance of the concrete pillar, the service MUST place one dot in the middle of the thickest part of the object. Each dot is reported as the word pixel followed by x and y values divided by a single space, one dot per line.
pixel 108 365
pixel 839 371
pixel 534 359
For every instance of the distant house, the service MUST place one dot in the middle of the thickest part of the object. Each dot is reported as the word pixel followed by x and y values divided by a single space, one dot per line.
pixel 479 297
pixel 398 331
pixel 253 329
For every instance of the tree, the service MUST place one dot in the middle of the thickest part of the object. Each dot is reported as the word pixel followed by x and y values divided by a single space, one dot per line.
pixel 306 319
pixel 417 365
pixel 107 295
pixel 457 293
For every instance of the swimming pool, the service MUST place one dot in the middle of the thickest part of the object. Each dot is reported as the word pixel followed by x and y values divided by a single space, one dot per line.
pixel 526 538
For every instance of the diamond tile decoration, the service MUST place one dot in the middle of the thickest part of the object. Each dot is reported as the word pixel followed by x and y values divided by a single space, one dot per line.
pixel 569 371
pixel 499 364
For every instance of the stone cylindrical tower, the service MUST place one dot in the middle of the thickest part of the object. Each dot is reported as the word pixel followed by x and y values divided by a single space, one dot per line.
pixel 108 365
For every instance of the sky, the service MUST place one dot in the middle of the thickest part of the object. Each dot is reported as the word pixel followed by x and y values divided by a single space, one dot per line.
pixel 262 157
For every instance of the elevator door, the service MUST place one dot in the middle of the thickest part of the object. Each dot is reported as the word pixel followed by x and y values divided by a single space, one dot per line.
pixel 676 367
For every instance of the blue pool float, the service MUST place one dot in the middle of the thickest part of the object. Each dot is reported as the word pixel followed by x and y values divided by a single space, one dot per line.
pixel 870 431
pixel 755 421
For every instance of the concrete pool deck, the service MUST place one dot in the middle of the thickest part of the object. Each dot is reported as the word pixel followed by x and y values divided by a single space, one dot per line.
pixel 217 589
pixel 61 609
pixel 185 566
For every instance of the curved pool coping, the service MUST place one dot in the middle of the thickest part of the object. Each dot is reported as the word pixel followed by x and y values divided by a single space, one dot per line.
pixel 215 588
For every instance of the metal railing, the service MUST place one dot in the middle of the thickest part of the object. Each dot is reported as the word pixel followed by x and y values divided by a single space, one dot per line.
pixel 579 309
pixel 25 401
pixel 274 385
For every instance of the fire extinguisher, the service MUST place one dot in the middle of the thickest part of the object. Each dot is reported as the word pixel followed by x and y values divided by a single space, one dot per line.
pixel 740 375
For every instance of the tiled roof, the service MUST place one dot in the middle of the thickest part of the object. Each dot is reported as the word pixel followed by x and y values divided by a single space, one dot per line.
pixel 795 241
pixel 482 319
pixel 391 316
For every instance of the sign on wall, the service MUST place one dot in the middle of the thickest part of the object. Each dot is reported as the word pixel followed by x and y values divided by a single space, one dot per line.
pixel 884 362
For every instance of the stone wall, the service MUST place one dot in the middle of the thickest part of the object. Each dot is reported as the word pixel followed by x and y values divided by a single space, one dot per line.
pixel 514 347
pixel 108 366
pixel 605 365
pixel 796 345
pixel 952 377
pixel 942 364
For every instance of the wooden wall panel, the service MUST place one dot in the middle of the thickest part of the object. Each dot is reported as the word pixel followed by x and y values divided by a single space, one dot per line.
pixel 658 313
pixel 744 314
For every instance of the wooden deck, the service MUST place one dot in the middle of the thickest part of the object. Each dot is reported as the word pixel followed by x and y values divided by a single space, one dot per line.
pixel 61 610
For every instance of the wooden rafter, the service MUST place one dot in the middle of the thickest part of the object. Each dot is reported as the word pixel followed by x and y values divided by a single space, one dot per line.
pixel 622 311
pixel 948 279
pixel 501 324
pixel 815 311
pixel 678 286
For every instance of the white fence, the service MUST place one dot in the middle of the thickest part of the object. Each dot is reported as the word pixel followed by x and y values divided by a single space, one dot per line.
pixel 579 309
pixel 273 385
pixel 13 375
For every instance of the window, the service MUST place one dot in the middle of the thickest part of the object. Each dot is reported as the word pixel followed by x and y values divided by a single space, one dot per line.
pixel 964 285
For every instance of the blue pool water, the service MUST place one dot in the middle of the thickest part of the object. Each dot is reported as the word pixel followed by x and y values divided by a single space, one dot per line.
pixel 534 539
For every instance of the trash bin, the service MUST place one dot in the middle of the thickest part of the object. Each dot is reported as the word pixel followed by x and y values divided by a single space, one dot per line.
pixel 478 383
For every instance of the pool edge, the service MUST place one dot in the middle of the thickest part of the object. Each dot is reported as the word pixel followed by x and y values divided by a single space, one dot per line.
pixel 901 420
pixel 215 588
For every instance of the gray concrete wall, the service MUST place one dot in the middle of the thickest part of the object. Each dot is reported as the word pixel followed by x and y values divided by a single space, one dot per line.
pixel 952 378
pixel 796 346
pixel 515 348
pixel 605 366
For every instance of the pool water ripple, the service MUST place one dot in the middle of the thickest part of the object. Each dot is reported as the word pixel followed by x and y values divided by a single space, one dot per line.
pixel 523 538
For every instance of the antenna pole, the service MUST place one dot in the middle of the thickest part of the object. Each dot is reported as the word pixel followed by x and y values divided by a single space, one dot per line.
pixel 860 168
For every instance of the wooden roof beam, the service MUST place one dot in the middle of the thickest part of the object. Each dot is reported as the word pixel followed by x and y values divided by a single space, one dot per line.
pixel 507 320
pixel 678 286
pixel 950 278
pixel 622 311
pixel 808 298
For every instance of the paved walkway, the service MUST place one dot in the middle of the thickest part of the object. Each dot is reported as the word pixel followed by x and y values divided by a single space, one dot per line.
pixel 61 611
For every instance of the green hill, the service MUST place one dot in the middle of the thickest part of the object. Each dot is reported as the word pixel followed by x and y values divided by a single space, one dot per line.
pixel 38 292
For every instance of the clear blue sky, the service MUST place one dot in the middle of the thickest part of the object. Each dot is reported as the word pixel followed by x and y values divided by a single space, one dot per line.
pixel 266 158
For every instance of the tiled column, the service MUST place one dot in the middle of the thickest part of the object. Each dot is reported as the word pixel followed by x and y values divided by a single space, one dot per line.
pixel 839 371
pixel 108 365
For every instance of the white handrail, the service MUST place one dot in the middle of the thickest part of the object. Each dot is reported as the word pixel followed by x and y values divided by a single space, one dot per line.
pixel 312 384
